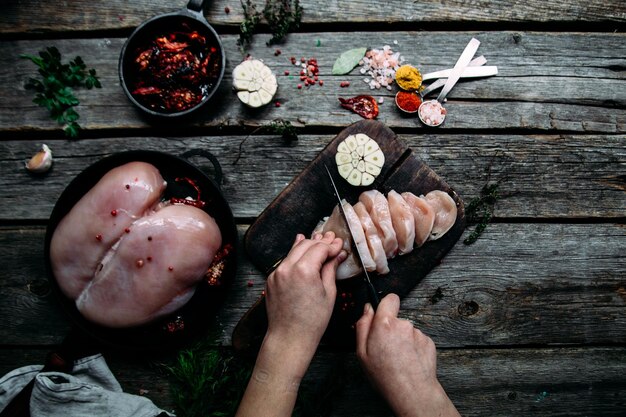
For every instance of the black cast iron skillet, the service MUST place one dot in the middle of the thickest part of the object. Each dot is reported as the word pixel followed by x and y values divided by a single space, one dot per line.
pixel 188 19
pixel 175 330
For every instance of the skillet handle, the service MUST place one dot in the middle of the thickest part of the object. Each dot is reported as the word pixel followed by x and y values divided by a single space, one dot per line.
pixel 218 175
pixel 195 5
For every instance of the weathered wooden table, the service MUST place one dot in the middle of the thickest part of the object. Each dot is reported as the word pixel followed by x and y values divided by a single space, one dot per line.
pixel 532 318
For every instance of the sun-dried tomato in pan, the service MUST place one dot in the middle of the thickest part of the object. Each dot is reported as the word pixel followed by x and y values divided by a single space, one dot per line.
pixel 364 106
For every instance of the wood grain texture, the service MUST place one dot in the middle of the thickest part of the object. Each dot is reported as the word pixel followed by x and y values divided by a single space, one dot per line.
pixel 519 284
pixel 544 176
pixel 570 381
pixel 28 16
pixel 568 82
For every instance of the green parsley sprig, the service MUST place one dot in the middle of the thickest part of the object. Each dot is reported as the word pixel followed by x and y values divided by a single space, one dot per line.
pixel 54 90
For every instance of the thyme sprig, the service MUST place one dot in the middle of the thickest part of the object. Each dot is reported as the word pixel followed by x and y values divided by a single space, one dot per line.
pixel 281 127
pixel 282 16
pixel 480 210
pixel 54 90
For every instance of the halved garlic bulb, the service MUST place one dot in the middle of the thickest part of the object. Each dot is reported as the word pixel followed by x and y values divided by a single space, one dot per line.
pixel 359 159
pixel 255 83
pixel 41 161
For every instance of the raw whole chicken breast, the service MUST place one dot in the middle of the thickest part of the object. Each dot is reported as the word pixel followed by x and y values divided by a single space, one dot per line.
pixel 153 269
pixel 378 209
pixel 374 243
pixel 403 222
pixel 423 214
pixel 336 223
pixel 113 251
pixel 98 220
pixel 445 212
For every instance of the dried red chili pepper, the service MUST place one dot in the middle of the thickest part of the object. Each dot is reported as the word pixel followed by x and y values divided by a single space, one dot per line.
pixel 364 106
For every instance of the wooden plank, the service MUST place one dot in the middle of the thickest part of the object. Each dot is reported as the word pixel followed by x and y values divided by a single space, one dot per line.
pixel 546 176
pixel 519 284
pixel 29 16
pixel 539 86
pixel 571 381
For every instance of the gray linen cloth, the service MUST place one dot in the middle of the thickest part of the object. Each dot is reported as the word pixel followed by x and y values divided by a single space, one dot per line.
pixel 90 391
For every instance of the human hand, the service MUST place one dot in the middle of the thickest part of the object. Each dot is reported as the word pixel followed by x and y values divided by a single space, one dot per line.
pixel 401 362
pixel 300 293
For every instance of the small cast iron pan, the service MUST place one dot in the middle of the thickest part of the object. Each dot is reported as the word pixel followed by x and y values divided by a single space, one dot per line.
pixel 191 320
pixel 188 19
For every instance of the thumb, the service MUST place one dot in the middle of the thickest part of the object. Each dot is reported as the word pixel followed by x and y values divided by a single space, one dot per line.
pixel 363 327
pixel 329 270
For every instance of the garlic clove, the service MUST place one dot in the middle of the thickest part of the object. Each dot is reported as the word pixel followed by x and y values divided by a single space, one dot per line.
pixel 40 162
pixel 377 158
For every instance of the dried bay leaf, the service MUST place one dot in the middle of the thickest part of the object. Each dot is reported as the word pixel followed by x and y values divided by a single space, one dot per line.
pixel 348 60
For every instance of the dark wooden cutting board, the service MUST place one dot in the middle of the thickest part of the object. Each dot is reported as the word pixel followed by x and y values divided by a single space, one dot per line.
pixel 309 198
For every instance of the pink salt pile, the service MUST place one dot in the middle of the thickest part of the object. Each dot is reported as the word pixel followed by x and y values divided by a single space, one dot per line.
pixel 381 66
pixel 432 113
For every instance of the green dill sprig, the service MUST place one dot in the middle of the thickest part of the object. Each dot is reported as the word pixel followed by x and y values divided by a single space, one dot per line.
pixel 480 210
pixel 54 90
pixel 282 16
pixel 208 382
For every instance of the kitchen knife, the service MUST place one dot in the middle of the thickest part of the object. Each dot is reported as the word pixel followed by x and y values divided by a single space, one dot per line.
pixel 373 294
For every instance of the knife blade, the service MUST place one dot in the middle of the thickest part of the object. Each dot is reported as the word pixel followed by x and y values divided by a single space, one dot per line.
pixel 371 290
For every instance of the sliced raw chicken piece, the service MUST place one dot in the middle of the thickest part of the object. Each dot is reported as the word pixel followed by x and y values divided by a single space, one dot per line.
pixel 152 270
pixel 378 209
pixel 374 242
pixel 423 214
pixel 403 222
pixel 445 212
pixel 98 220
pixel 336 223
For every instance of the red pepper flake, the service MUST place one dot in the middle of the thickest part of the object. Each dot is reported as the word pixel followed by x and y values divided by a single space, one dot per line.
pixel 250 283
pixel 113 213
pixel 197 202
pixel 150 238
pixel 364 106
pixel 99 238
pixel 139 263
pixel 127 230
pixel 263 293
pixel 286 72
pixel 344 84
pixel 149 258
pixel 277 104
pixel 226 9
pixel 321 82
pixel 299 86
pixel 277 52
pixel 293 60
pixel 170 268
pixel 127 186
pixel 303 60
